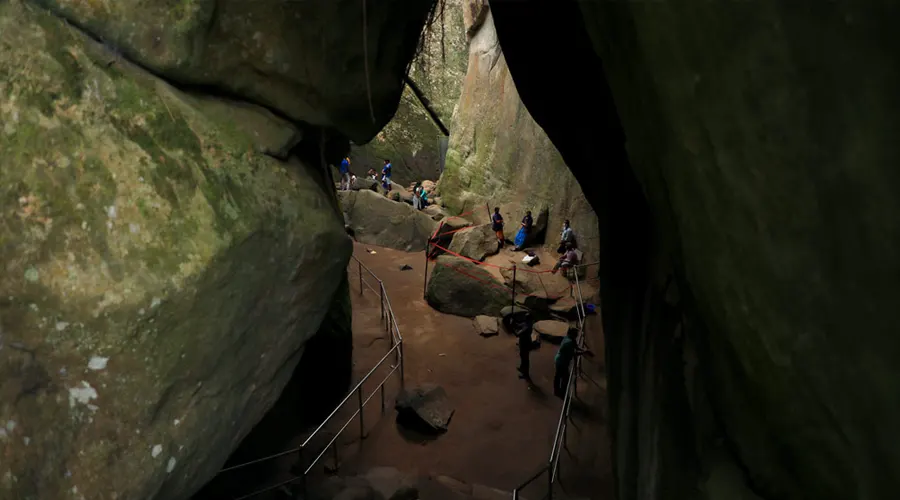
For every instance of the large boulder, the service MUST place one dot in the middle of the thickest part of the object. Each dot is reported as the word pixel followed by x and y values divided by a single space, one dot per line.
pixel 476 243
pixel 160 278
pixel 364 184
pixel 426 407
pixel 459 287
pixel 283 54
pixel 377 220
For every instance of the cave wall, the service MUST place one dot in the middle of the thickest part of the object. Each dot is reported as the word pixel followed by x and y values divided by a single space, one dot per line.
pixel 411 140
pixel 500 156
pixel 753 229
pixel 170 237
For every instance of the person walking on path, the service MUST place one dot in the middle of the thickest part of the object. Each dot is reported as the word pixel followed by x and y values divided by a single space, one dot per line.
pixel 345 173
pixel 568 349
pixel 524 231
pixel 497 226
pixel 386 176
pixel 567 236
pixel 526 345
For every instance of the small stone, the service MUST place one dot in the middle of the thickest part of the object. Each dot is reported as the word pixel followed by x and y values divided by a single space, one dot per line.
pixel 552 328
pixel 157 449
pixel 98 363
pixel 487 326
pixel 170 466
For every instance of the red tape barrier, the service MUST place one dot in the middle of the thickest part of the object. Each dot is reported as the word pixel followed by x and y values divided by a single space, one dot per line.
pixel 526 270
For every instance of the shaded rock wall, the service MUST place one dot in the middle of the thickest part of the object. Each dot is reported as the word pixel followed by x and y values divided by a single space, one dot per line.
pixel 411 139
pixel 745 190
pixel 161 276
pixel 500 156
pixel 304 59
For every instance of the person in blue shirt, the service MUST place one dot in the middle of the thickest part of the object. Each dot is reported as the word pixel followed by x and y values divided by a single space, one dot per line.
pixel 386 175
pixel 568 349
pixel 497 226
pixel 524 231
pixel 345 173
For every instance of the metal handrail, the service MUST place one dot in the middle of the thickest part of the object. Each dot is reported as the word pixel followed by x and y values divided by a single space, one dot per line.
pixel 393 330
pixel 559 438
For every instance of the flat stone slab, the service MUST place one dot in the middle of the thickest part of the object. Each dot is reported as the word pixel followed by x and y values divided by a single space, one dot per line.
pixel 487 326
pixel 427 404
pixel 550 328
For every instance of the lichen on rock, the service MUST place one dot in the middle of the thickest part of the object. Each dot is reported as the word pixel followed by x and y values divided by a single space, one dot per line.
pixel 138 231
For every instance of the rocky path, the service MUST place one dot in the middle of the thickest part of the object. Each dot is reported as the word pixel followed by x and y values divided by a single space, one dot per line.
pixel 501 430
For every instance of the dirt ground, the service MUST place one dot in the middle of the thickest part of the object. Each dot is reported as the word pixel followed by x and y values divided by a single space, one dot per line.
pixel 502 430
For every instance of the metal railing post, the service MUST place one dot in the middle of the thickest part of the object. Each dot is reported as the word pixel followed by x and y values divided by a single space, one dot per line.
pixel 514 290
pixel 362 424
pixel 360 277
pixel 381 293
pixel 550 479
pixel 382 399
pixel 402 363
pixel 425 280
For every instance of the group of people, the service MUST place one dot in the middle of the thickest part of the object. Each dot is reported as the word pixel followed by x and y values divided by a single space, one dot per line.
pixel 347 177
pixel 523 327
pixel 567 245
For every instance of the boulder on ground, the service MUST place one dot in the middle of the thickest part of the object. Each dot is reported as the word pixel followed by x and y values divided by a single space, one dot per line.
pixel 565 307
pixel 552 330
pixel 487 326
pixel 376 220
pixel 426 407
pixel 364 184
pixel 435 212
pixel 390 483
pixel 444 233
pixel 476 242
pixel 457 286
pixel 428 186
pixel 160 279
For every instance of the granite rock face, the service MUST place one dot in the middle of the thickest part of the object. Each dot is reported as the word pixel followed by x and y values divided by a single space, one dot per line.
pixel 743 165
pixel 160 276
pixel 499 156
pixel 300 58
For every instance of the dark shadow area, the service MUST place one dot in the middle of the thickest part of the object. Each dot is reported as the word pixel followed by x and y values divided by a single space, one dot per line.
pixel 414 430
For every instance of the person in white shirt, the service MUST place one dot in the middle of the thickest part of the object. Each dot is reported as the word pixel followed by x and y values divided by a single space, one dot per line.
pixel 567 236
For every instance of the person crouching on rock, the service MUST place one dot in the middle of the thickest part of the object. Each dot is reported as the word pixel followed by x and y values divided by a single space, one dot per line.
pixel 568 259
pixel 526 345
pixel 497 225
pixel 568 349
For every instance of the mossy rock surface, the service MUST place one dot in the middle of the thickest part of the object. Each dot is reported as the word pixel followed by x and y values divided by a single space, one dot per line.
pixel 304 58
pixel 499 156
pixel 160 277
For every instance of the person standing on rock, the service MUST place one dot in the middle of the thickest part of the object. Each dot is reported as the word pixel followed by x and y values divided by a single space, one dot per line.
pixel 345 173
pixel 386 176
pixel 568 349
pixel 497 226
pixel 526 345
pixel 567 236
pixel 417 196
pixel 524 231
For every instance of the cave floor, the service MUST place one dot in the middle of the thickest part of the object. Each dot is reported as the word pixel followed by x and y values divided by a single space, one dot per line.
pixel 501 431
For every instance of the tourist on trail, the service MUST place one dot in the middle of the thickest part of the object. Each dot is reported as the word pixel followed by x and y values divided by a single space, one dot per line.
pixel 567 236
pixel 497 226
pixel 417 196
pixel 372 175
pixel 345 173
pixel 386 175
pixel 524 231
pixel 568 259
pixel 424 198
pixel 523 332
pixel 568 349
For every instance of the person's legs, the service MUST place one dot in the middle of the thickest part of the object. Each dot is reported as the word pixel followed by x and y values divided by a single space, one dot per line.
pixel 524 365
pixel 560 381
pixel 346 181
pixel 500 237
